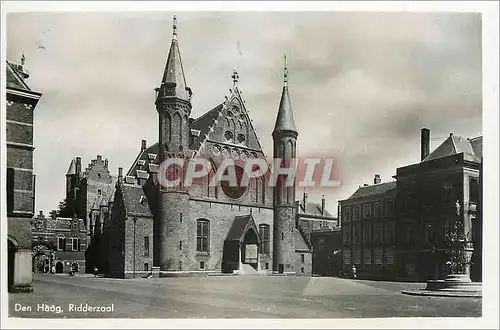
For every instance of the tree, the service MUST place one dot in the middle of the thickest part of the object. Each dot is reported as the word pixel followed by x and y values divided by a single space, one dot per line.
pixel 64 209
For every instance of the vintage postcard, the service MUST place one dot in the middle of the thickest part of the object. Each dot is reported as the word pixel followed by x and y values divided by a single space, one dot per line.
pixel 309 165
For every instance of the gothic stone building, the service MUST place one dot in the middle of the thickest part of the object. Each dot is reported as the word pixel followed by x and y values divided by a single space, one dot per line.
pixel 203 228
pixel 21 102
pixel 88 194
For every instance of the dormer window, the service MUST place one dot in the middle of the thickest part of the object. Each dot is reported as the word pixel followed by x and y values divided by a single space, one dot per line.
pixel 99 192
pixel 98 175
pixel 228 136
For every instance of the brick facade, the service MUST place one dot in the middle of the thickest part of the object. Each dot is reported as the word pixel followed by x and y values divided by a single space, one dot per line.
pixel 20 180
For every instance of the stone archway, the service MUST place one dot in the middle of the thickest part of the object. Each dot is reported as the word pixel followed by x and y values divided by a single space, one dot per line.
pixel 12 247
pixel 250 248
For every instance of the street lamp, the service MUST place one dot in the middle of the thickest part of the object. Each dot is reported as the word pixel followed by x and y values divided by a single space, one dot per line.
pixel 135 221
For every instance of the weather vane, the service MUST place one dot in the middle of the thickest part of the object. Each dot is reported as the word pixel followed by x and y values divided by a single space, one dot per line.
pixel 235 76
pixel 175 27
pixel 285 72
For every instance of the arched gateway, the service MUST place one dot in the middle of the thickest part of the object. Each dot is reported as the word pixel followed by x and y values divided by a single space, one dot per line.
pixel 242 245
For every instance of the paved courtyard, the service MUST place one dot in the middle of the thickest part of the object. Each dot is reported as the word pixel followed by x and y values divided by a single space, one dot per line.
pixel 233 297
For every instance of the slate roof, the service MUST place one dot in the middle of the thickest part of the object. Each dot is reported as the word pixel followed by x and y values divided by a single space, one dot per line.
pixel 284 120
pixel 204 123
pixel 14 79
pixel 477 146
pixel 238 227
pixel 376 189
pixel 131 195
pixel 454 145
pixel 174 72
pixel 313 209
pixel 72 168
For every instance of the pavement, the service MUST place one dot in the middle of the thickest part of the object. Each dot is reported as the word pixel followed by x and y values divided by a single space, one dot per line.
pixel 231 297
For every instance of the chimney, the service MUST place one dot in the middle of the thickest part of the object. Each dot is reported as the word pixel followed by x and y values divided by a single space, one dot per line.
pixel 425 141
pixel 120 174
pixel 323 205
pixel 78 165
pixel 143 145
pixel 376 180
pixel 99 158
pixel 53 214
pixel 339 214
pixel 40 215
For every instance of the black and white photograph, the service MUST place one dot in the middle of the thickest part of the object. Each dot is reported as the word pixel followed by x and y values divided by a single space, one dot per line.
pixel 315 165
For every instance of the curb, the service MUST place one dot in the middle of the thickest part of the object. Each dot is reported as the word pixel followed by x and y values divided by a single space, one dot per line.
pixel 454 294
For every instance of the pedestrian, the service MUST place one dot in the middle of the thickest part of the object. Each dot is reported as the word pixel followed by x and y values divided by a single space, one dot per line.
pixel 95 271
pixel 353 271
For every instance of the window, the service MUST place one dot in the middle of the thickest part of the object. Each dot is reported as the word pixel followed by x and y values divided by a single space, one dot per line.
pixel 302 258
pixel 447 190
pixel 99 190
pixel 321 244
pixel 376 210
pixel 446 229
pixel 202 236
pixel 267 265
pixel 377 233
pixel 367 211
pixel 378 257
pixel 180 245
pixel 39 224
pixel 99 176
pixel 367 258
pixel 428 232
pixel 367 230
pixel 346 233
pixel 202 264
pixel 356 235
pixel 409 235
pixel 264 238
pixel 146 266
pixel 356 256
pixel 347 257
pixel 61 243
pixel 389 233
pixel 146 246
pixel 473 190
pixel 180 218
pixel 389 257
pixel 347 215
pixel 390 208
pixel 75 244
pixel 357 212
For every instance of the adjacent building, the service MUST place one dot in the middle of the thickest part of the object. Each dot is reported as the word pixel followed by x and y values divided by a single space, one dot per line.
pixel 20 180
pixel 327 246
pixel 432 196
pixel 88 193
pixel 66 237
pixel 368 229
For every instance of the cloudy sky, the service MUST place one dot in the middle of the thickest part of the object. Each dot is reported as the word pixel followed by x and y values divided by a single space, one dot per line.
pixel 362 84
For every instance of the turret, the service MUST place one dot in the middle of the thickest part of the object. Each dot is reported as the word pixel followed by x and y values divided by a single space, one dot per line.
pixel 285 140
pixel 173 103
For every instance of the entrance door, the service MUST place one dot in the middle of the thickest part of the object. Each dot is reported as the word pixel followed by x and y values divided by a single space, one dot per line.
pixel 11 259
pixel 59 267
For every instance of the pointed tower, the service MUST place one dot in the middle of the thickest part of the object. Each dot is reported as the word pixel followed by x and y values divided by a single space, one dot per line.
pixel 285 139
pixel 173 103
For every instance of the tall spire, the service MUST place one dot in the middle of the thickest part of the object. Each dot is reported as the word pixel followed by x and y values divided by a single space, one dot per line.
pixel 285 121
pixel 173 83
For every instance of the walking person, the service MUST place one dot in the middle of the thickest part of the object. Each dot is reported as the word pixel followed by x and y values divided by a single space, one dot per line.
pixel 95 271
pixel 353 271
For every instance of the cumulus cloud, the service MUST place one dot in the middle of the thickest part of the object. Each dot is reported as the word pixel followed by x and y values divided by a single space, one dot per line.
pixel 362 83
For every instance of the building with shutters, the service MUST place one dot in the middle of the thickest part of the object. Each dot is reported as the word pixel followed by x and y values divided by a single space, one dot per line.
pixel 20 183
pixel 66 237
pixel 432 196
pixel 368 230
